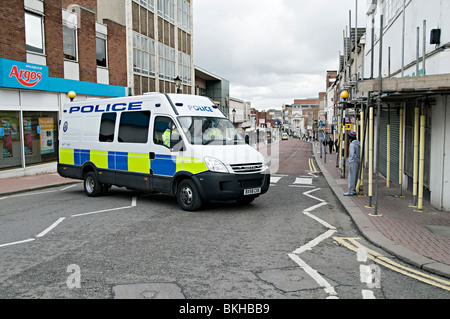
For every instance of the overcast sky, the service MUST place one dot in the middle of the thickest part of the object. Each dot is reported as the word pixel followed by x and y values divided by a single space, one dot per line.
pixel 272 51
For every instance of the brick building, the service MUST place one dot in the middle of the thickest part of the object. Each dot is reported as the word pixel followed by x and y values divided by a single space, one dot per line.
pixel 159 43
pixel 46 51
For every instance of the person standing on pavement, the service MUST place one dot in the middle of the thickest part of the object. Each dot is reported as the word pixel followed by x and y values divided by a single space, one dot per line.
pixel 330 145
pixel 353 163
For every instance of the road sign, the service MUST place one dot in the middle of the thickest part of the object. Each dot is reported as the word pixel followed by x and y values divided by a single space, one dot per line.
pixel 348 127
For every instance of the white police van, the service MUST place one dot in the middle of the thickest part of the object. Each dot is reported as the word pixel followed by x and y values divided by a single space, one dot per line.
pixel 171 143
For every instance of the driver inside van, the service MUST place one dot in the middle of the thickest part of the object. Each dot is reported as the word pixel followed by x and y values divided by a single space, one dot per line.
pixel 167 135
pixel 213 132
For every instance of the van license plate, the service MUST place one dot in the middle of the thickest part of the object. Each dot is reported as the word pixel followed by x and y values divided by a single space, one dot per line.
pixel 252 191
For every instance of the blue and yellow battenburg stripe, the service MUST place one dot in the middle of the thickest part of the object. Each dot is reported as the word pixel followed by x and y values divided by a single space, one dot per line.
pixel 166 165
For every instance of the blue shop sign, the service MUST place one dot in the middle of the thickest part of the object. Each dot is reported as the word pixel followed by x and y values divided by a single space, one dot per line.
pixel 21 75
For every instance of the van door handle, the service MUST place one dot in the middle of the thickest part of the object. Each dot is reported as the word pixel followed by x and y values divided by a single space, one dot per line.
pixel 152 155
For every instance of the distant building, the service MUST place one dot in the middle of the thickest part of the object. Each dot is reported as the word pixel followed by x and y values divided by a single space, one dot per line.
pixel 213 86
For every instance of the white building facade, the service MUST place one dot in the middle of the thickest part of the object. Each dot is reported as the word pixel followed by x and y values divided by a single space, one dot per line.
pixel 415 71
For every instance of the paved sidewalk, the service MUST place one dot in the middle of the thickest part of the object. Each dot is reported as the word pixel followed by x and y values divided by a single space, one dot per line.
pixel 13 185
pixel 419 238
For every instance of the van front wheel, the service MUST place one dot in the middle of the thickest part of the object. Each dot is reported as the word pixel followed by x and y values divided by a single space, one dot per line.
pixel 91 185
pixel 187 196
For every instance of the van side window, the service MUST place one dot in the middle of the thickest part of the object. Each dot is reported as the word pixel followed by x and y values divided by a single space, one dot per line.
pixel 133 127
pixel 107 125
pixel 162 124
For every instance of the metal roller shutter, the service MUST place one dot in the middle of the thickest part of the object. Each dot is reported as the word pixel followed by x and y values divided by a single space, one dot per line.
pixel 394 143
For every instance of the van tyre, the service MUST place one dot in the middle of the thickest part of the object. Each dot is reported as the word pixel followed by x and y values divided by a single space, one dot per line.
pixel 188 196
pixel 92 187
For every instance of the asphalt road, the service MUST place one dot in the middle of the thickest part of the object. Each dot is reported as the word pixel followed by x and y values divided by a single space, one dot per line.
pixel 291 243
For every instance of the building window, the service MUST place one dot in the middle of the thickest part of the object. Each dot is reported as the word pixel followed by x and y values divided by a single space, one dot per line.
pixel 70 43
pixel 149 4
pixel 143 55
pixel 166 62
pixel 34 32
pixel 166 9
pixel 185 68
pixel 184 15
pixel 390 10
pixel 101 52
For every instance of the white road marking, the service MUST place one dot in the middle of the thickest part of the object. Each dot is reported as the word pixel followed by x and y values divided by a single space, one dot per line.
pixel 301 180
pixel 304 186
pixel 101 211
pixel 70 186
pixel 295 254
pixel 274 179
pixel 315 241
pixel 29 194
pixel 368 294
pixel 314 274
pixel 51 227
pixel 17 242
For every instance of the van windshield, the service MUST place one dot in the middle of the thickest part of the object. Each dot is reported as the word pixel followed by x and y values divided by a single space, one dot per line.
pixel 209 130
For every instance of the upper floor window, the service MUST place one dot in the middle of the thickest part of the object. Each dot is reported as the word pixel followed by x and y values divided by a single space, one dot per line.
pixel 34 32
pixel 166 62
pixel 101 51
pixel 185 68
pixel 150 4
pixel 143 55
pixel 166 9
pixel 70 43
pixel 184 15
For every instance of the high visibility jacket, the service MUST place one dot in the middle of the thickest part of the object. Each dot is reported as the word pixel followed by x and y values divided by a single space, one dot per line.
pixel 214 132
pixel 166 136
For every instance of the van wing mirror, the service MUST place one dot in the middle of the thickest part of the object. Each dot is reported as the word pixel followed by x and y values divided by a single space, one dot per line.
pixel 177 142
pixel 175 137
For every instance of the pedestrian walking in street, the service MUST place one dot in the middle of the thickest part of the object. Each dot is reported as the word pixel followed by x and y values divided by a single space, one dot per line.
pixel 353 163
pixel 330 145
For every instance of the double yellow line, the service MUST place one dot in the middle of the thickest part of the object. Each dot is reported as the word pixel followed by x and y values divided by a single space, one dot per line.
pixel 312 167
pixel 352 244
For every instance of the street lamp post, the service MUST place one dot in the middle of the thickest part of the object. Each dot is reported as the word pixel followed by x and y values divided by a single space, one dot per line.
pixel 234 114
pixel 178 84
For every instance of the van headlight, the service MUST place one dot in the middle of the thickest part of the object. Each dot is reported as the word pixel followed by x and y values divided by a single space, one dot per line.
pixel 215 165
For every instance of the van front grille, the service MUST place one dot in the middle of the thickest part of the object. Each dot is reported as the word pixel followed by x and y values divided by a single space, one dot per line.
pixel 247 168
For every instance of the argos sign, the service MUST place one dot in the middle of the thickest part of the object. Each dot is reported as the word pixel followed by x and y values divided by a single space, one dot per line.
pixel 23 75
pixel 29 76
pixel 26 77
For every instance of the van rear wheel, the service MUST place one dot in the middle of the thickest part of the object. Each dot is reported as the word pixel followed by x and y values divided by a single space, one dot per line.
pixel 92 187
pixel 187 196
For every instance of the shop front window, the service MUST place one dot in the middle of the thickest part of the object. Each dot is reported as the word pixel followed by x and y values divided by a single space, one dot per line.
pixel 11 153
pixel 40 132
